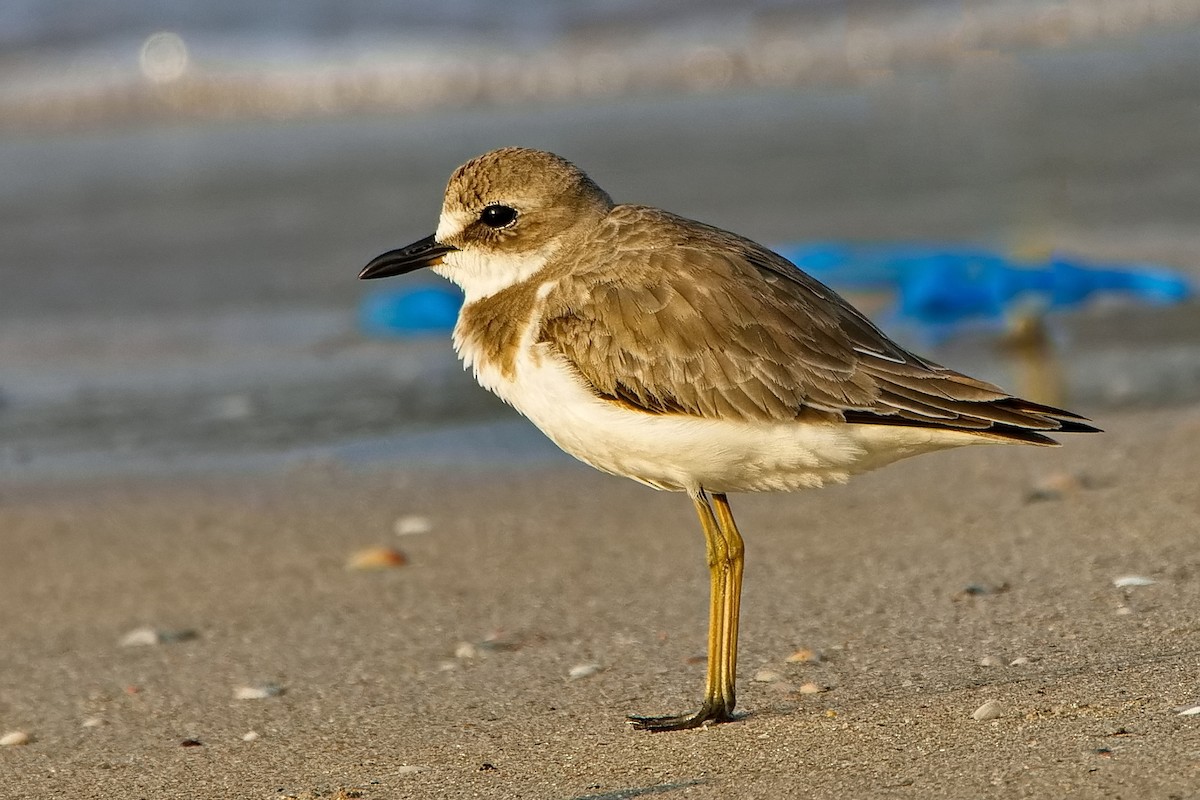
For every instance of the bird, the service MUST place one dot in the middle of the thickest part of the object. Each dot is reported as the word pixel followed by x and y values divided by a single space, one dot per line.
pixel 688 358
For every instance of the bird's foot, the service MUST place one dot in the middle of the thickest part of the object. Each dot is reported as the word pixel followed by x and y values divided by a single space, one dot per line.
pixel 712 712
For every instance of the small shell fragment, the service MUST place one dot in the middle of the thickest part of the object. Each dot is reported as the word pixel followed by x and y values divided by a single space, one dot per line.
pixel 991 661
pixel 92 722
pixel 466 650
pixel 257 692
pixel 805 656
pixel 412 525
pixel 501 640
pixel 143 637
pixel 583 671
pixel 1020 661
pixel 250 736
pixel 810 688
pixel 409 769
pixel 1057 486
pixel 13 738
pixel 373 558
pixel 989 710
pixel 1127 581
pixel 1190 712
pixel 768 676
pixel 972 590
pixel 140 637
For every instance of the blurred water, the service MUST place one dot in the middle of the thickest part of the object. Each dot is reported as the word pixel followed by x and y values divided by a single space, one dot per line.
pixel 297 29
pixel 72 64
pixel 184 291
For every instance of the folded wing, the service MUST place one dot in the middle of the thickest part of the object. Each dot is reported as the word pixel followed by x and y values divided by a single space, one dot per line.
pixel 706 323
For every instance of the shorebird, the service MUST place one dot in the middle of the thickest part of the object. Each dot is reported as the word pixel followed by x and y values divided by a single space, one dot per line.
pixel 686 357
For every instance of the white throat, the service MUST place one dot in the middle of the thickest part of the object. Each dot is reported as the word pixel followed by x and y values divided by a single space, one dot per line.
pixel 481 274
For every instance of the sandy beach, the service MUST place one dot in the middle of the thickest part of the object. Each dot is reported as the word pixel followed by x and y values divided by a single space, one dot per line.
pixel 925 591
pixel 196 438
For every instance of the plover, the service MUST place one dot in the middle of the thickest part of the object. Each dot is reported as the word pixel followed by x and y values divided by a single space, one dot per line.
pixel 687 358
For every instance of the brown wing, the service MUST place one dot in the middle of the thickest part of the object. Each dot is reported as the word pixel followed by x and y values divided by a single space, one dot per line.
pixel 702 322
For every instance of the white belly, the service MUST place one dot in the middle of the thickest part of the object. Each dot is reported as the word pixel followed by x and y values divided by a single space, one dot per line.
pixel 683 453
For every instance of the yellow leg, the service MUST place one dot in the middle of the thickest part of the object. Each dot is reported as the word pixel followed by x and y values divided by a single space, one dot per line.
pixel 735 549
pixel 724 548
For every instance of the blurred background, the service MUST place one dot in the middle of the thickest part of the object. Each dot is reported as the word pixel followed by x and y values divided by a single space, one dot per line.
pixel 187 192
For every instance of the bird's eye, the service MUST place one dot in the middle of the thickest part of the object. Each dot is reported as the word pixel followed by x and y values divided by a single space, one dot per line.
pixel 498 216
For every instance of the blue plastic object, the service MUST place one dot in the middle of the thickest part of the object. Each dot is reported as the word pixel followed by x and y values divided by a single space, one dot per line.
pixel 940 289
pixel 943 287
pixel 409 311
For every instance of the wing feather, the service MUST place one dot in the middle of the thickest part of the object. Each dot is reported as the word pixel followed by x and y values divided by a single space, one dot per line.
pixel 698 321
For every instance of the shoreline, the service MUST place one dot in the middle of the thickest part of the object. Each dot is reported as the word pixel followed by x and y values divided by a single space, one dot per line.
pixel 813 49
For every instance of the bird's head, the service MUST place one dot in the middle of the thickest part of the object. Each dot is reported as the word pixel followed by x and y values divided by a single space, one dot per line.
pixel 505 215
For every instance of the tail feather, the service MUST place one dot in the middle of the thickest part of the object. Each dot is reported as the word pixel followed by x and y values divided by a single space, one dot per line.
pixel 1008 419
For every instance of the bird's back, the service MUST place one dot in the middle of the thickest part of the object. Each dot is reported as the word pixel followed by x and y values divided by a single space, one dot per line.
pixel 668 316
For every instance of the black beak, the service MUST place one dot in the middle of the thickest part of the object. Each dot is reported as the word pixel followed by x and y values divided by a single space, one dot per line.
pixel 426 253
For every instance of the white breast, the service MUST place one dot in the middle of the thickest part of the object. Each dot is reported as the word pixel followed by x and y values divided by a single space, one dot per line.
pixel 682 453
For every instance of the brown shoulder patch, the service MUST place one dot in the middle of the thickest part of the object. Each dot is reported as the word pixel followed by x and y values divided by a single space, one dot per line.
pixel 493 326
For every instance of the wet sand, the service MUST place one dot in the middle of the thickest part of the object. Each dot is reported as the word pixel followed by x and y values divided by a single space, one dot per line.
pixel 448 677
